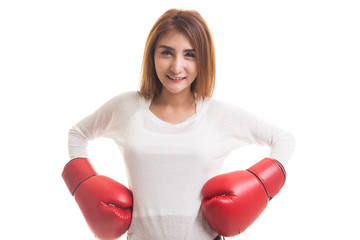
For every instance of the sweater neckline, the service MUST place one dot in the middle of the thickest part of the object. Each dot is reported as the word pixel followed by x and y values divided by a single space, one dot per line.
pixel 199 109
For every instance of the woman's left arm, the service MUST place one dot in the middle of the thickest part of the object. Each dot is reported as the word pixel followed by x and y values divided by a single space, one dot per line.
pixel 281 142
pixel 238 127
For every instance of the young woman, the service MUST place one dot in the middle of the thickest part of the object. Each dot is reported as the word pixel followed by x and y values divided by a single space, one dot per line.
pixel 174 137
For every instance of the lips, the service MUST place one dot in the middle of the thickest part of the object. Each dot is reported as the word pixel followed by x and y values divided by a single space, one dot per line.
pixel 175 78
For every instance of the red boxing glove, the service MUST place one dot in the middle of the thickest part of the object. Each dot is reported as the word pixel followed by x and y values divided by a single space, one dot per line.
pixel 233 201
pixel 105 203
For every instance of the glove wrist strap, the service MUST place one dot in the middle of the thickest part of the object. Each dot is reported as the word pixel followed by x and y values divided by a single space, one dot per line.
pixel 271 174
pixel 76 171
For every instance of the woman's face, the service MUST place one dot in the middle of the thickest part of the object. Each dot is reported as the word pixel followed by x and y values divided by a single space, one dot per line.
pixel 175 62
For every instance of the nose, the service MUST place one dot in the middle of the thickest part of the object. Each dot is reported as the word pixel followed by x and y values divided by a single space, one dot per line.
pixel 177 65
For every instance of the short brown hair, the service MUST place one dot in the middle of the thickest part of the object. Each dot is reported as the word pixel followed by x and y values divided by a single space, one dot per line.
pixel 190 23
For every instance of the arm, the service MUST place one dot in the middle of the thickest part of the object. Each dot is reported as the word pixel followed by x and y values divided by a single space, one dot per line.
pixel 233 201
pixel 96 125
pixel 105 203
pixel 238 127
pixel 281 142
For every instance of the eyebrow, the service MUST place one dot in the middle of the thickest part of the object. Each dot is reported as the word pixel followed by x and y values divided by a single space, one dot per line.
pixel 173 49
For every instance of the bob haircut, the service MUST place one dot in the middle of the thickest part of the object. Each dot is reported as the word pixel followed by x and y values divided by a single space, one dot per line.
pixel 193 26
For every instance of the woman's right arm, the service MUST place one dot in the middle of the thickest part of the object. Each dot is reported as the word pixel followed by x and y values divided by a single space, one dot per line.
pixel 108 121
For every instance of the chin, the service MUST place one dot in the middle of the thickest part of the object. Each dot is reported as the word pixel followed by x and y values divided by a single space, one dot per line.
pixel 175 90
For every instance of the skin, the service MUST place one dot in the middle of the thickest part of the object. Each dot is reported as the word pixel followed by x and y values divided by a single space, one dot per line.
pixel 176 69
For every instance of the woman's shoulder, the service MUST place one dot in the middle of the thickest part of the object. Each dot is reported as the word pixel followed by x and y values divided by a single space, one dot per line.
pixel 219 105
pixel 126 99
pixel 129 96
pixel 124 103
pixel 228 110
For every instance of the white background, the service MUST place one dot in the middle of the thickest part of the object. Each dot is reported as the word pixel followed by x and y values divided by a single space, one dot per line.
pixel 294 63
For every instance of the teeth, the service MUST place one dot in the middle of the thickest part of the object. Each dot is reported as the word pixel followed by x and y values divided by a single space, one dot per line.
pixel 176 78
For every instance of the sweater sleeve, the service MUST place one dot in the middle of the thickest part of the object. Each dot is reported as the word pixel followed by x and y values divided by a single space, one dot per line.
pixel 281 142
pixel 108 121
pixel 242 127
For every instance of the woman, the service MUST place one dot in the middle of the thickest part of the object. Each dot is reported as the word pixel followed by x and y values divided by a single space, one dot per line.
pixel 174 137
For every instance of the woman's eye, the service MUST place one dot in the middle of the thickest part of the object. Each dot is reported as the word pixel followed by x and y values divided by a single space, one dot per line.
pixel 166 53
pixel 192 55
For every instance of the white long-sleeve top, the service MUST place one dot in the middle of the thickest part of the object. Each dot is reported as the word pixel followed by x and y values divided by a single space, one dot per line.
pixel 167 164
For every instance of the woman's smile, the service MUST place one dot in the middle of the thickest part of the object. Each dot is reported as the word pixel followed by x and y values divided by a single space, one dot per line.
pixel 175 78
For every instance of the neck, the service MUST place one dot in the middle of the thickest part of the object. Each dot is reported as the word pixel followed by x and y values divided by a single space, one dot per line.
pixel 183 99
